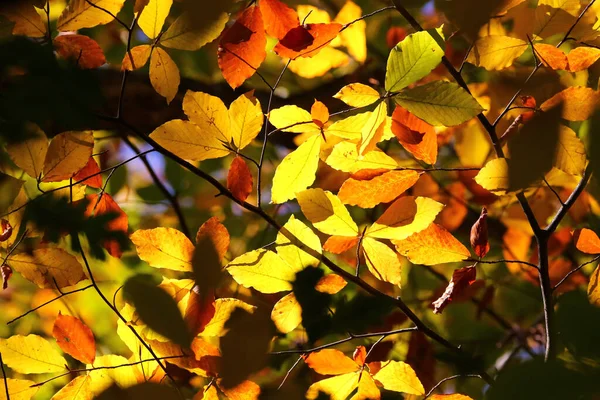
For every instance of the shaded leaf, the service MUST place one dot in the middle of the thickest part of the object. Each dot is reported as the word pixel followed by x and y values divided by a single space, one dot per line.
pixel 68 153
pixel 82 14
pixel 48 267
pixel 82 50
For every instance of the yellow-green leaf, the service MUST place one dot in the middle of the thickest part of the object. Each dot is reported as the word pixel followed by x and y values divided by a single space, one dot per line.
pixel 123 377
pixel 186 34
pixel 372 131
pixel 399 377
pixel 164 74
pixel 494 176
pixel 31 354
pixel 164 248
pixel 336 388
pixel 153 17
pixel 327 213
pixel 293 119
pixel 87 14
pixel 48 267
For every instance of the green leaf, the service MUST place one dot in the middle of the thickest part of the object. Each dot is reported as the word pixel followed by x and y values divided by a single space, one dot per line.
pixel 412 59
pixel 440 103
pixel 157 309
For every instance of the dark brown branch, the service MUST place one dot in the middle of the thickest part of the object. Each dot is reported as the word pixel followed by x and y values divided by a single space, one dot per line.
pixel 570 201
pixel 4 377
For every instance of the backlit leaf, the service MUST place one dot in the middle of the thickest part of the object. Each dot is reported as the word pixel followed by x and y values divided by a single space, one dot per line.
pixel 439 103
pixel 587 241
pixel 337 388
pixel 263 270
pixel 90 174
pixel 331 362
pixel 578 103
pixel 319 64
pixel 353 37
pixel 326 212
pixel 164 248
pixel 136 58
pixel 405 216
pixel 246 120
pixel 380 189
pixel 372 131
pixel 450 397
pixel 26 19
pixel 164 74
pixel 218 234
pixel 29 155
pixel 67 154
pixel 223 310
pixel 551 56
pixel 278 17
pixel 293 119
pixel 82 14
pixel 594 288
pixel 290 249
pixel 186 33
pixel 570 154
pixel 31 354
pixel 582 58
pixel 494 176
pixel 412 59
pixel 345 157
pixel 340 244
pixel 242 47
pixel 433 245
pixel 153 17
pixel 496 52
pixel 239 179
pixel 99 205
pixel 297 171
pixel 48 267
pixel 79 388
pixel 399 377
pixel 306 40
pixel 415 135
pixel 75 338
pixel 357 95
pixel 188 140
pixel 382 261
pixel 287 313
pixel 81 50
pixel 18 389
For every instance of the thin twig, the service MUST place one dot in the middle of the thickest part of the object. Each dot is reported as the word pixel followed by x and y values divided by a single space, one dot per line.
pixel 571 272
pixel 503 261
pixel 449 379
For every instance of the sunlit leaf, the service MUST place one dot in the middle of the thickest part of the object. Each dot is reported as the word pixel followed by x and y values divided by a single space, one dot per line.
pixel 239 179
pixel 306 40
pixel 30 154
pixel 433 245
pixel 90 174
pixel 372 131
pixel 218 234
pixel 382 261
pixel 345 157
pixel 67 154
pixel 263 270
pixel 337 388
pixel 164 74
pixel 357 95
pixel 88 13
pixel 290 249
pixel 353 37
pixel 331 362
pixel 75 338
pixel 380 189
pixel 164 248
pixel 279 18
pixel 79 388
pixel 582 58
pixel 153 16
pixel 26 19
pixel 399 377
pixel 18 389
pixel 326 212
pixel 586 241
pixel 287 313
pixel 415 135
pixel 105 204
pixel 578 103
pixel 136 58
pixel 496 52
pixel 31 354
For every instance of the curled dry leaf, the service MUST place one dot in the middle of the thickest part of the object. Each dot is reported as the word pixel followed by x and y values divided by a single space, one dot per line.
pixel 461 279
pixel 6 272
pixel 6 230
pixel 479 235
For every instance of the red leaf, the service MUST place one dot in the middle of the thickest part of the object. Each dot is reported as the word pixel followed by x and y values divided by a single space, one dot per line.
pixel 306 40
pixel 6 230
pixel 461 279
pixel 239 179
pixel 91 168
pixel 217 232
pixel 242 47
pixel 106 204
pixel 75 338
pixel 6 272
pixel 279 18
pixel 395 35
pixel 199 311
pixel 360 355
pixel 83 50
pixel 479 235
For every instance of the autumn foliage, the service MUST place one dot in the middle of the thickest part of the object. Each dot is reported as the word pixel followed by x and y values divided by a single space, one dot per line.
pixel 267 199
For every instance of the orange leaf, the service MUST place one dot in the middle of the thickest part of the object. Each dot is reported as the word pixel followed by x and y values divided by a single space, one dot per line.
pixel 578 103
pixel 104 205
pixel 91 168
pixel 551 56
pixel 75 338
pixel 360 355
pixel 434 245
pixel 199 311
pixel 462 278
pixel 381 189
pixel 339 244
pixel 330 284
pixel 218 234
pixel 136 58
pixel 239 179
pixel 586 241
pixel 319 113
pixel 306 40
pixel 582 58
pixel 331 362
pixel 242 47
pixel 415 135
pixel 86 53
pixel 279 18
pixel 479 235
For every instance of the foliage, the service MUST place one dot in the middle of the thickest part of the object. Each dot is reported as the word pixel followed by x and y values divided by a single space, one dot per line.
pixel 393 199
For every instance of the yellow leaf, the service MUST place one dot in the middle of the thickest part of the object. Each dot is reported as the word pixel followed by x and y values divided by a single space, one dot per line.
pixel 472 145
pixel 79 388
pixel 578 103
pixel 210 114
pixel 354 37
pixel 188 140
pixel 67 154
pixel 164 248
pixel 434 245
pixel 223 310
pixel 494 176
pixel 357 95
pixel 450 397
pixel 31 354
pixel 246 120
pixel 287 313
pixel 337 388
pixel 164 74
pixel 291 252
pixel 18 389
pixel 87 14
pixel 570 154
pixel 372 132
pixel 367 389
pixel 137 59
pixel 404 217
pixel 101 379
pixel 582 58
pixel 293 119
pixel 570 6
pixel 48 267
pixel 594 288
pixel 382 261
pixel 153 17
pixel 381 189
pixel 30 154
pixel 297 171
pixel 263 270
pixel 327 213
pixel 319 64
pixel 185 33
pixel 399 377
pixel 496 52
pixel 345 157
pixel 351 127
pixel 26 19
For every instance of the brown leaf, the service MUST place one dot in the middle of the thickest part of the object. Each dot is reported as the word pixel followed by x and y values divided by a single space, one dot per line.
pixel 462 278
pixel 6 230
pixel 84 51
pixel 75 338
pixel 479 235
pixel 239 179
pixel 6 272
pixel 217 232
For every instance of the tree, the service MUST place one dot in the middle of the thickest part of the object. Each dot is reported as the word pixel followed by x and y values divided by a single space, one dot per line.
pixel 391 199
